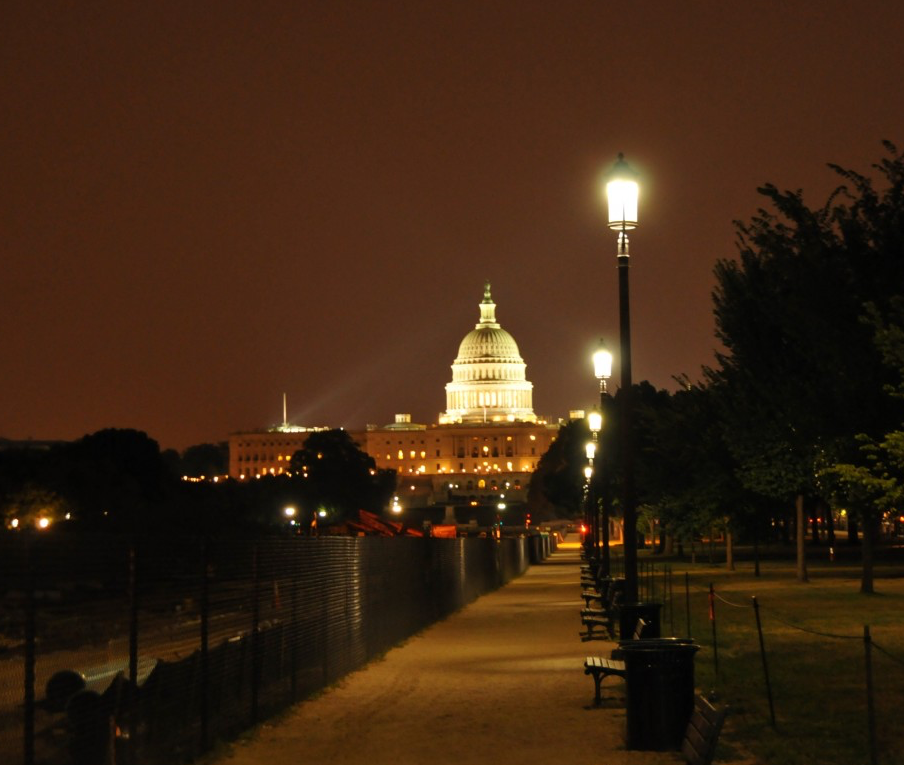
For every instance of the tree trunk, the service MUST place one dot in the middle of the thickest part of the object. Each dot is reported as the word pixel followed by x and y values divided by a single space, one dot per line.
pixel 852 531
pixel 867 551
pixel 669 546
pixel 801 538
pixel 729 551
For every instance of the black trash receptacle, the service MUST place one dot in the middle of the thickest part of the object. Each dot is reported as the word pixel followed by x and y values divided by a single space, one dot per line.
pixel 629 613
pixel 659 690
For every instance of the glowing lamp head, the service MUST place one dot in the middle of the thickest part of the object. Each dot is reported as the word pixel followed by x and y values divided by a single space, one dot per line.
pixel 602 362
pixel 289 512
pixel 595 420
pixel 590 448
pixel 622 191
pixel 588 472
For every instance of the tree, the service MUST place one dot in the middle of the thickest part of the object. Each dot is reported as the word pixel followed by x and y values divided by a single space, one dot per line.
pixel 337 478
pixel 875 485
pixel 800 368
pixel 559 476
pixel 114 477
pixel 205 460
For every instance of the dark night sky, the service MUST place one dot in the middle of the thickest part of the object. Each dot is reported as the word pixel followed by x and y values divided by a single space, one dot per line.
pixel 204 205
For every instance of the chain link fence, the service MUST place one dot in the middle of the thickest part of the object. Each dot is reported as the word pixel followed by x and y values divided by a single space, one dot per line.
pixel 148 651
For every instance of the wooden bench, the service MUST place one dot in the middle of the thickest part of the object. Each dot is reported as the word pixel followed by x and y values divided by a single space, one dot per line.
pixel 603 618
pixel 601 667
pixel 702 734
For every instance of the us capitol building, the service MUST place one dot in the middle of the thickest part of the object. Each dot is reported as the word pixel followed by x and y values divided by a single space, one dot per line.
pixel 481 451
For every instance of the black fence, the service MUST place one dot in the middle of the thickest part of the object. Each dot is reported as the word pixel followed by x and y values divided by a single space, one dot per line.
pixel 149 651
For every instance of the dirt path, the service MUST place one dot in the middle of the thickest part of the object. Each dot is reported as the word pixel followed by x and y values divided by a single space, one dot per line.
pixel 500 681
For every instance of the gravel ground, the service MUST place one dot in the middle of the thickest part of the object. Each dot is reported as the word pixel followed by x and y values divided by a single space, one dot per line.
pixel 499 681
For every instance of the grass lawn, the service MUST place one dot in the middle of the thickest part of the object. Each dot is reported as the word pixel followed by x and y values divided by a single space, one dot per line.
pixel 818 681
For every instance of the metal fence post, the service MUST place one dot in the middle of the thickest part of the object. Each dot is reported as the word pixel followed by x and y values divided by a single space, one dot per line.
pixel 294 629
pixel 29 691
pixel 870 707
pixel 255 632
pixel 712 619
pixel 205 644
pixel 687 601
pixel 759 629
pixel 133 652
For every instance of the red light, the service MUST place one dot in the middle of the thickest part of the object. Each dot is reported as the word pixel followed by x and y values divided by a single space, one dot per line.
pixel 583 529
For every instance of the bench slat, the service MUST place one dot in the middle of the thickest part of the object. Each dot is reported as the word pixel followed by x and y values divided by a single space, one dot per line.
pixel 702 734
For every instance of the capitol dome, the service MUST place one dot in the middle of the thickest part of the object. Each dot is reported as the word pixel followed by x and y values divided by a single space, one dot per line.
pixel 488 375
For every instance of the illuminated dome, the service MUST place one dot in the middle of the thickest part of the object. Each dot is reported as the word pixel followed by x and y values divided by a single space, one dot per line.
pixel 488 382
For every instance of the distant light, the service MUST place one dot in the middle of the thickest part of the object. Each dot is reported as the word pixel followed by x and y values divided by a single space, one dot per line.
pixel 590 449
pixel 501 505
pixel 588 472
pixel 290 512
pixel 68 516
pixel 595 421
pixel 14 523
pixel 322 513
pixel 43 523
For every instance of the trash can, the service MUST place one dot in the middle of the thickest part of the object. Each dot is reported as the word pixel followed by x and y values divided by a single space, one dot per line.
pixel 659 691
pixel 629 613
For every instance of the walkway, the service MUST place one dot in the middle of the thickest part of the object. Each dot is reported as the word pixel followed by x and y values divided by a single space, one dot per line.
pixel 501 681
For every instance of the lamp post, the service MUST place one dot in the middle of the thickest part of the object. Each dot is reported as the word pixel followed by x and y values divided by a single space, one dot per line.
pixel 602 370
pixel 622 193
pixel 595 424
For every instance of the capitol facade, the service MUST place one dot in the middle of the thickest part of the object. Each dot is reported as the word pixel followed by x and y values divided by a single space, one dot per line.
pixel 481 451
pixel 488 375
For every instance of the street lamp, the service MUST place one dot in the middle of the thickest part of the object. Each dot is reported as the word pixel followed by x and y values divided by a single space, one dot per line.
pixel 602 367
pixel 622 192
pixel 595 421
pixel 602 370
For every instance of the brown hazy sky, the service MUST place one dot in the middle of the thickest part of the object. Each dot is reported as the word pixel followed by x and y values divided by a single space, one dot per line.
pixel 205 205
